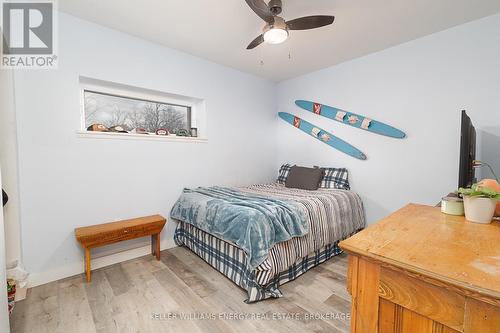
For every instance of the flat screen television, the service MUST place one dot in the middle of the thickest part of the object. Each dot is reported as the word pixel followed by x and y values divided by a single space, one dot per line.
pixel 466 175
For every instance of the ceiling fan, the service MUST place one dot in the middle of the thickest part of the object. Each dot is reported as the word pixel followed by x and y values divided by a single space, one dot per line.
pixel 276 29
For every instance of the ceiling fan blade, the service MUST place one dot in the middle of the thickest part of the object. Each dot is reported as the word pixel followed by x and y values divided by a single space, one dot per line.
pixel 256 42
pixel 261 9
pixel 310 22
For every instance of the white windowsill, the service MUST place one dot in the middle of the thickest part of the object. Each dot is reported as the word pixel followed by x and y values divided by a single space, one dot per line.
pixel 133 136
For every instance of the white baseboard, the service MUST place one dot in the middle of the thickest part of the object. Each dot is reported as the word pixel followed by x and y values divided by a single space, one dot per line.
pixel 39 278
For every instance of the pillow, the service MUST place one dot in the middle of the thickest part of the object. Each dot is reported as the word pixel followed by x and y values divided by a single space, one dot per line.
pixel 283 173
pixel 304 178
pixel 335 178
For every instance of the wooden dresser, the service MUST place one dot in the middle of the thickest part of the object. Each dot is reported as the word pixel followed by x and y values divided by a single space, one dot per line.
pixel 419 270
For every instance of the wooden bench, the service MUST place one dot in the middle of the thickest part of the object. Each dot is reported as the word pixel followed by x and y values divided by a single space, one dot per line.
pixel 109 233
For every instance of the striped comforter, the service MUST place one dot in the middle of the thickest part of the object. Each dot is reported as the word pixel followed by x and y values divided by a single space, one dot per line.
pixel 255 223
pixel 332 215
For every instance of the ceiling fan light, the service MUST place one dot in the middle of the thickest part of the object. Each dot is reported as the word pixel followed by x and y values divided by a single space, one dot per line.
pixel 275 36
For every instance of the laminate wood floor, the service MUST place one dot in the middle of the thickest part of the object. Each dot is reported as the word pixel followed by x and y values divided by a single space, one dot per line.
pixel 181 293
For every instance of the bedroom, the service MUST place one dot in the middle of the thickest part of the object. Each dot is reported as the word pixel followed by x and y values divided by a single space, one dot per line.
pixel 413 65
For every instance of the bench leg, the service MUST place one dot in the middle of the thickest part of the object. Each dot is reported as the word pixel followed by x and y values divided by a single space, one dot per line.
pixel 155 245
pixel 87 264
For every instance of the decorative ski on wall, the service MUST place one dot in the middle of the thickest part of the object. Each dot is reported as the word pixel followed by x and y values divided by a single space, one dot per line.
pixel 352 119
pixel 322 135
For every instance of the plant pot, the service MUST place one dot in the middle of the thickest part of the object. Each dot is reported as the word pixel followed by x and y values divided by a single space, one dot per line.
pixel 479 210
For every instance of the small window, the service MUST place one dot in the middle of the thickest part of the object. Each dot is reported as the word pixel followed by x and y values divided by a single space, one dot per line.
pixel 134 114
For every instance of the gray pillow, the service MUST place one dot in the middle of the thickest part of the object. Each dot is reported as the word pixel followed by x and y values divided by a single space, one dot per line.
pixel 304 178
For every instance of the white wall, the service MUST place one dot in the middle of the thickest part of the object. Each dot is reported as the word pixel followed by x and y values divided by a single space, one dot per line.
pixel 67 181
pixel 9 166
pixel 419 87
pixel 4 313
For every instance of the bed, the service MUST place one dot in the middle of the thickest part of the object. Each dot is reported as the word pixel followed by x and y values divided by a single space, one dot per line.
pixel 307 227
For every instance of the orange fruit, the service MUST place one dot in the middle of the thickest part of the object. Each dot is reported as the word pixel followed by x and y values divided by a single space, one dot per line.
pixel 493 185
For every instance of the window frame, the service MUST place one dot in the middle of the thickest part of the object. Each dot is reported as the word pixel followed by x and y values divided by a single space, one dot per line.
pixel 196 106
pixel 189 107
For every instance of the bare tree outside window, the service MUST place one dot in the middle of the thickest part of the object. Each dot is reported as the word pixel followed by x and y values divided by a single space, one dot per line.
pixel 111 110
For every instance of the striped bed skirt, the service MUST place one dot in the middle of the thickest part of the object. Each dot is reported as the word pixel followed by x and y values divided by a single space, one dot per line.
pixel 231 261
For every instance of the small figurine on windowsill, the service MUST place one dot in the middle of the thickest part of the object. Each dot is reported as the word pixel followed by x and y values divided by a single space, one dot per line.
pixel 139 131
pixel 182 132
pixel 119 129
pixel 162 131
pixel 97 128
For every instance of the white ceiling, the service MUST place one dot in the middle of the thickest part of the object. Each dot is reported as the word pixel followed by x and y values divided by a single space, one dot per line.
pixel 220 30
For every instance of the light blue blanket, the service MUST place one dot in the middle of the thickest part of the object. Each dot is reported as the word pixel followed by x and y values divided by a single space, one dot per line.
pixel 254 223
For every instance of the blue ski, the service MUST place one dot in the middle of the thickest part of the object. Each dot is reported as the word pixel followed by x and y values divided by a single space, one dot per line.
pixel 351 119
pixel 322 135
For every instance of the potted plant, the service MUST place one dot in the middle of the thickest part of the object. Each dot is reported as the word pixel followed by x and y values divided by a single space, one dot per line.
pixel 11 294
pixel 479 203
